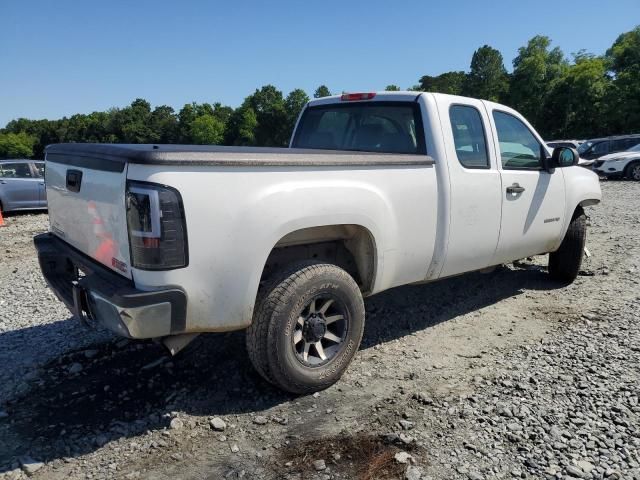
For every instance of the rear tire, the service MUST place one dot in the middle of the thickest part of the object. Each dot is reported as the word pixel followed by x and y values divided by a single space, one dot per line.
pixel 632 172
pixel 307 327
pixel 564 263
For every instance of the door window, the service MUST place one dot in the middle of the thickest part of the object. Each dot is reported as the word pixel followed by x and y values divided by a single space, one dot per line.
pixel 469 136
pixel 630 143
pixel 15 170
pixel 600 149
pixel 519 148
pixel 40 168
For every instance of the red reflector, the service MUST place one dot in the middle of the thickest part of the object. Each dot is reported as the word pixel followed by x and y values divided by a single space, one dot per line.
pixel 149 242
pixel 357 96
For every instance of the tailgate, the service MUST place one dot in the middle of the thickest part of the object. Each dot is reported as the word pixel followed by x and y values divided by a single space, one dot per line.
pixel 87 208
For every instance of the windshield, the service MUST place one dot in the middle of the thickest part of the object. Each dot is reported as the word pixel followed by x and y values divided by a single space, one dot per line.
pixel 384 127
pixel 584 147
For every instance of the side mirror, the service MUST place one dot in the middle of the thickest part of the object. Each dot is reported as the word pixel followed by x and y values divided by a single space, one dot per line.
pixel 565 157
pixel 548 164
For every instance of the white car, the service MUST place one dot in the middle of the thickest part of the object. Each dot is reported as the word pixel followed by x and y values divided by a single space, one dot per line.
pixel 376 190
pixel 620 164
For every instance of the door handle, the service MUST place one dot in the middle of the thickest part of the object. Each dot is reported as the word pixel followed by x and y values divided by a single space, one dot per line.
pixel 515 188
pixel 3 182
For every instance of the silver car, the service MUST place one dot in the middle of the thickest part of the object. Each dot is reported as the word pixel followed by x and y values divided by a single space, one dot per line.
pixel 22 185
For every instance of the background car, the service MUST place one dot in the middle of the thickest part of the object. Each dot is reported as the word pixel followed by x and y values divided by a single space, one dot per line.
pixel 22 185
pixel 599 147
pixel 571 144
pixel 621 164
pixel 565 143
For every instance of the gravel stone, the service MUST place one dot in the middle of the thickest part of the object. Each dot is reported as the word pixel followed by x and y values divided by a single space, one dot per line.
pixel 218 424
pixel 176 424
pixel 319 465
pixel 260 420
pixel 29 465
pixel 402 457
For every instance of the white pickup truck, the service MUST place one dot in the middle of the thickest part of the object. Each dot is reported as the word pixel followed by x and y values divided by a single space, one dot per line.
pixel 376 190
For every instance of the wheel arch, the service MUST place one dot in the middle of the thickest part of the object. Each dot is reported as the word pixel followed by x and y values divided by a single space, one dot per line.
pixel 352 247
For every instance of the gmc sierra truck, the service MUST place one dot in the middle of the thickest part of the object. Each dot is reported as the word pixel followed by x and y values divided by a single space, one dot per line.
pixel 375 191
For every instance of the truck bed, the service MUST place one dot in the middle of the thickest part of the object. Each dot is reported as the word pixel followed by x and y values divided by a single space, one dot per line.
pixel 113 157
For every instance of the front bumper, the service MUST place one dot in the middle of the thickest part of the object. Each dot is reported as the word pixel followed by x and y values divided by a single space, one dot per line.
pixel 608 173
pixel 96 294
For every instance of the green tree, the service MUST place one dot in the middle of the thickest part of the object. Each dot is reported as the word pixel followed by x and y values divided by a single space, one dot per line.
pixel 575 107
pixel 164 125
pixel 487 77
pixel 241 127
pixel 624 97
pixel 322 91
pixel 536 70
pixel 133 123
pixel 222 112
pixel 293 104
pixel 449 82
pixel 207 130
pixel 269 107
pixel 16 145
pixel 392 88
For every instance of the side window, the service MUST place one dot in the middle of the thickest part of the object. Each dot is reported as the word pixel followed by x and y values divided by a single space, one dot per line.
pixel 631 142
pixel 618 146
pixel 468 136
pixel 40 168
pixel 519 149
pixel 16 170
pixel 601 148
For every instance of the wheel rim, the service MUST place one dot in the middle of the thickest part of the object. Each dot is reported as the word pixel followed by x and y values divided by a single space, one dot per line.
pixel 635 172
pixel 320 331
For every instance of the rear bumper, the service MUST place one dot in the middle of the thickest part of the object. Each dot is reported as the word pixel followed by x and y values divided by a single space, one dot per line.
pixel 97 294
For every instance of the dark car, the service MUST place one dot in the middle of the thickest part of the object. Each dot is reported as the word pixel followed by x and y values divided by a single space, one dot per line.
pixel 598 147
pixel 565 143
pixel 22 185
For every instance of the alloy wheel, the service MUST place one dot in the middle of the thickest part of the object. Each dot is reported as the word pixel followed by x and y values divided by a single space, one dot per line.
pixel 320 330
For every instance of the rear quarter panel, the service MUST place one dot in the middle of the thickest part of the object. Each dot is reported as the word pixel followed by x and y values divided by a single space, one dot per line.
pixel 236 215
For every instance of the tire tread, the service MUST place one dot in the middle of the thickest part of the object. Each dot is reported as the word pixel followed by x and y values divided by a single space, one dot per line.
pixel 262 339
pixel 564 263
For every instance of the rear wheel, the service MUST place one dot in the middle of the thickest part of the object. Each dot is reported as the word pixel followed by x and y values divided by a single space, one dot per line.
pixel 307 327
pixel 564 263
pixel 633 171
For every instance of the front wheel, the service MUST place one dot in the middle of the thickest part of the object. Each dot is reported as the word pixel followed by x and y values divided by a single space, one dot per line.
pixel 633 171
pixel 307 327
pixel 564 263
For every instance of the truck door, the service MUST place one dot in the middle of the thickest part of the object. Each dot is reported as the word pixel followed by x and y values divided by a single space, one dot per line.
pixel 533 200
pixel 475 193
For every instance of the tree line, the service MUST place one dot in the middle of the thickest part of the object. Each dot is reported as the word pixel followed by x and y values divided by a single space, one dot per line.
pixel 583 97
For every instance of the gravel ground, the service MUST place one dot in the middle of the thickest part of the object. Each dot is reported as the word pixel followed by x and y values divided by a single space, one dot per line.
pixel 501 375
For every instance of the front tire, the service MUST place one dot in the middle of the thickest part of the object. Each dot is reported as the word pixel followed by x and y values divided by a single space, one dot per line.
pixel 307 327
pixel 633 171
pixel 564 263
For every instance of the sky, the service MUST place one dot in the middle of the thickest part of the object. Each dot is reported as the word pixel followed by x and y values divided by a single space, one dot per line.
pixel 63 57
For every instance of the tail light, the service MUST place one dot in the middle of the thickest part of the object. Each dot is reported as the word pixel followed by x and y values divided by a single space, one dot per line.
pixel 349 97
pixel 157 229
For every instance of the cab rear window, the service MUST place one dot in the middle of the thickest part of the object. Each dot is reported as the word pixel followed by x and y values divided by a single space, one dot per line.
pixel 384 127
